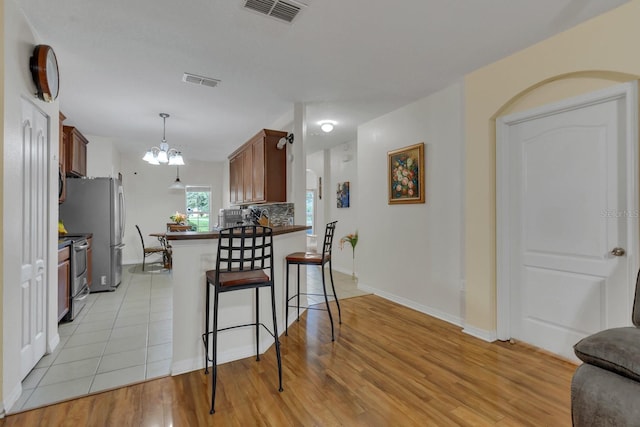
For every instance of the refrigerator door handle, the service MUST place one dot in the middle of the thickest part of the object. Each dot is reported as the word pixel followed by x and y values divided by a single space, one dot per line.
pixel 120 246
pixel 123 212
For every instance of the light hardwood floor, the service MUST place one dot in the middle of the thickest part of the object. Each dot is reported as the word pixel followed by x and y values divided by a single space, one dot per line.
pixel 389 366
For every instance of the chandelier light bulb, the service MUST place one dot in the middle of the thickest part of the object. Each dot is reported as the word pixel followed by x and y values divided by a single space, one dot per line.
pixel 162 156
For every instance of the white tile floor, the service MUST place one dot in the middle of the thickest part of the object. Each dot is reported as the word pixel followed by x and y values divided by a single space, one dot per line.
pixel 120 338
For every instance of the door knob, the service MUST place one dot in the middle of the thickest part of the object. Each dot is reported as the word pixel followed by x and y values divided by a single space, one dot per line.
pixel 618 252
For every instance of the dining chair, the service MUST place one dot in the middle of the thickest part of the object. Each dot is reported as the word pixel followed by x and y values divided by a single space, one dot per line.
pixel 318 259
pixel 244 261
pixel 150 250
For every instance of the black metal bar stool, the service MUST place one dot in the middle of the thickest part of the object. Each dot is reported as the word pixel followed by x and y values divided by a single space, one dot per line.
pixel 312 258
pixel 244 253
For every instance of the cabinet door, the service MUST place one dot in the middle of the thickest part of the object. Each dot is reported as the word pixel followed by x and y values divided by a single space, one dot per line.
pixel 62 173
pixel 78 155
pixel 81 161
pixel 247 176
pixel 75 152
pixel 64 275
pixel 235 179
pixel 258 177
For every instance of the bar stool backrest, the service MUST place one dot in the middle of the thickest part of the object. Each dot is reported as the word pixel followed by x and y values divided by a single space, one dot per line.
pixel 329 231
pixel 245 248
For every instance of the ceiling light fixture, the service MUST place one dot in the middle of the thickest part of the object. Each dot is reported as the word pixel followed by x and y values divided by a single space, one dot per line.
pixel 164 154
pixel 327 125
pixel 177 184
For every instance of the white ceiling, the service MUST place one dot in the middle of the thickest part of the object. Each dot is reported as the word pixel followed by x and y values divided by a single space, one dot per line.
pixel 121 62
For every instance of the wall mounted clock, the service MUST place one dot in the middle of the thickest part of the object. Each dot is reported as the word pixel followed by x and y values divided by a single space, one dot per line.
pixel 44 71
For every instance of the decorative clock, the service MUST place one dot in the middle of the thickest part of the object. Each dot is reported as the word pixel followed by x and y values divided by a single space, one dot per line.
pixel 44 71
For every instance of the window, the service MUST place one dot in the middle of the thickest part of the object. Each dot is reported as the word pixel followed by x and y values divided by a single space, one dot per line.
pixel 198 207
pixel 311 209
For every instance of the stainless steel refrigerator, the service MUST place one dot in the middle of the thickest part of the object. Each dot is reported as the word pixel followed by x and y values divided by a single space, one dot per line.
pixel 96 205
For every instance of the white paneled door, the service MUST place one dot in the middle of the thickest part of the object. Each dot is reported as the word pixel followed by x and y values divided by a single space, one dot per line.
pixel 567 219
pixel 34 218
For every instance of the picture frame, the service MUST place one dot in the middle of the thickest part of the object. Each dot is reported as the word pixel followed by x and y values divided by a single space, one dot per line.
pixel 406 170
pixel 343 195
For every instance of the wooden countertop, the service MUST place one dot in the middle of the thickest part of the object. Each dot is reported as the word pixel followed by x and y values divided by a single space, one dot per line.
pixel 196 235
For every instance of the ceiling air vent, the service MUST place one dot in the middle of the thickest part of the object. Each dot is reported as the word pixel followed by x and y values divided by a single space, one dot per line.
pixel 279 9
pixel 200 80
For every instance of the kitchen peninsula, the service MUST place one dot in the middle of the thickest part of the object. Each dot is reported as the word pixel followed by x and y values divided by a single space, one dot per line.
pixel 193 254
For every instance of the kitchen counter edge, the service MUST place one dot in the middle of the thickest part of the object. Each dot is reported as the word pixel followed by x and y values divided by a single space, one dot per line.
pixel 65 240
pixel 196 235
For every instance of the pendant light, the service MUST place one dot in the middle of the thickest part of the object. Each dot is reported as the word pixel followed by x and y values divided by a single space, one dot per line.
pixel 177 184
pixel 163 154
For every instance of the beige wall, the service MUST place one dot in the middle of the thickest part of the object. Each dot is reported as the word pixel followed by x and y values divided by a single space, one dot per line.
pixel 598 53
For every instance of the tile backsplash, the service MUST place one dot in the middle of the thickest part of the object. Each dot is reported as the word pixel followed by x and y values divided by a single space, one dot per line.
pixel 278 213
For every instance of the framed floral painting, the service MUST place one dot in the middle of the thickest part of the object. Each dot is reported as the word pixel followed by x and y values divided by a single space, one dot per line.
pixel 406 174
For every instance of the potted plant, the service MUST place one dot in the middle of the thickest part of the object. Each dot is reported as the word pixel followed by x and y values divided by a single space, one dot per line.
pixel 178 218
pixel 352 239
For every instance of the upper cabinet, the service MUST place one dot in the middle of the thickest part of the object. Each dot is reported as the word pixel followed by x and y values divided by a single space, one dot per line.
pixel 75 146
pixel 258 170
pixel 62 188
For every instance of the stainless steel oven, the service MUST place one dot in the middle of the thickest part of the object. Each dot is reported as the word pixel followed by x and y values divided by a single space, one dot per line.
pixel 79 269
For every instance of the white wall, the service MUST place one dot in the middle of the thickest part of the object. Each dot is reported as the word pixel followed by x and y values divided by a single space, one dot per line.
pixel 315 163
pixel 343 167
pixel 103 159
pixel 149 201
pixel 19 41
pixel 412 253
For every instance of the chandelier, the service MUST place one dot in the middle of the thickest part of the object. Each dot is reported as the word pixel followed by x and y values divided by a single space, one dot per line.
pixel 163 154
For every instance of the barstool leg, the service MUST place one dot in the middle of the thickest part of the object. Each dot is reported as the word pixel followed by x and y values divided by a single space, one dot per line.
pixel 286 305
pixel 298 293
pixel 206 329
pixel 214 347
pixel 275 333
pixel 334 292
pixel 326 300
pixel 257 324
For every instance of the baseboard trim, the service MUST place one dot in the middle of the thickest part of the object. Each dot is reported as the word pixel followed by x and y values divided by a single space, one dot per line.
pixel 488 336
pixel 433 312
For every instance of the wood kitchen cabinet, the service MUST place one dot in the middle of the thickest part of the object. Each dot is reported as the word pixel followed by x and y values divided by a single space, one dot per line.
pixel 258 170
pixel 62 175
pixel 64 281
pixel 235 179
pixel 75 152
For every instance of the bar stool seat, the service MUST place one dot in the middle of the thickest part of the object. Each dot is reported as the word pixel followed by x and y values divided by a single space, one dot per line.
pixel 308 258
pixel 245 255
pixel 319 259
pixel 238 278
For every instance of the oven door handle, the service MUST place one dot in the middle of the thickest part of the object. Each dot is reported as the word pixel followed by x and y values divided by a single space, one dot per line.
pixel 78 248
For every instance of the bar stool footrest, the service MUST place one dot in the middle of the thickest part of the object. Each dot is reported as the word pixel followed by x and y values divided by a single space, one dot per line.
pixel 204 336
